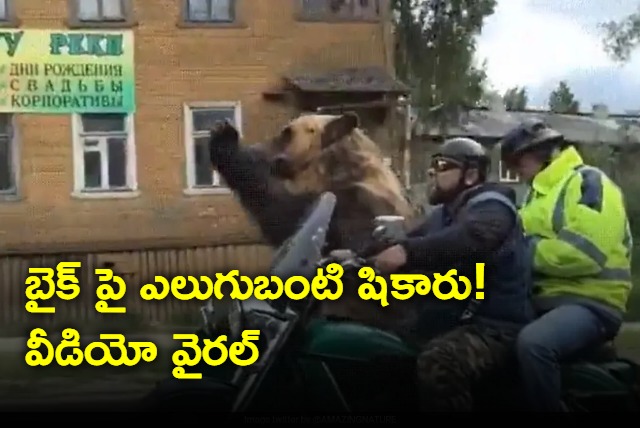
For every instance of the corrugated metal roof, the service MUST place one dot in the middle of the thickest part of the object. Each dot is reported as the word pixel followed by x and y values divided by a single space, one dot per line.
pixel 577 128
pixel 361 79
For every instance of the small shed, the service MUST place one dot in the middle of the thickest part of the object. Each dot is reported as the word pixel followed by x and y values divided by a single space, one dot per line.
pixel 372 92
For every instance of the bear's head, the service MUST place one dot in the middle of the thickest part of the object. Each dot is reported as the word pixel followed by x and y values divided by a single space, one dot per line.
pixel 303 141
pixel 317 152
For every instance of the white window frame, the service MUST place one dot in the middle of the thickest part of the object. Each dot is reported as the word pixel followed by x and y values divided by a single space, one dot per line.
pixel 5 16
pixel 189 135
pixel 14 146
pixel 231 4
pixel 100 16
pixel 354 14
pixel 505 175
pixel 78 136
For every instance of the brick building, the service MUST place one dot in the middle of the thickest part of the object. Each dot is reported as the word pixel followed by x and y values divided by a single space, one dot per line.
pixel 109 182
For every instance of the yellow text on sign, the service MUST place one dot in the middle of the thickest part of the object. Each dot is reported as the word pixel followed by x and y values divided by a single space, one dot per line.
pixel 45 283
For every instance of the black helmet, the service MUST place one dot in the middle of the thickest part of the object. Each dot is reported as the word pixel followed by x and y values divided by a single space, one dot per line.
pixel 530 134
pixel 465 152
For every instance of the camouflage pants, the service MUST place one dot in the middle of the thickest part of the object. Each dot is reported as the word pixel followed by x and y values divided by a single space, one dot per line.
pixel 451 364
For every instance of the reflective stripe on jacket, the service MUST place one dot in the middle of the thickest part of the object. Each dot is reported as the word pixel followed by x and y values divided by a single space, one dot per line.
pixel 580 235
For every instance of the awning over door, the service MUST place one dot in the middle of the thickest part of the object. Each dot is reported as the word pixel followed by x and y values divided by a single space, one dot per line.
pixel 360 80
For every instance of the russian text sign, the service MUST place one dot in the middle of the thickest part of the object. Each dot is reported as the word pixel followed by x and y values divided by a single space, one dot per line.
pixel 47 71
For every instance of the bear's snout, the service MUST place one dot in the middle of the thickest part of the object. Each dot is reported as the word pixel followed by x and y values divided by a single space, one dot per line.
pixel 282 167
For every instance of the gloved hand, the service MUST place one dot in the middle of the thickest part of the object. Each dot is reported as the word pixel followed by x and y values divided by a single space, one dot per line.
pixel 389 229
pixel 224 140
pixel 391 259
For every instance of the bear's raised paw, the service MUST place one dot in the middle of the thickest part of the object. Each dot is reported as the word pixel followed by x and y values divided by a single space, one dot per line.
pixel 224 137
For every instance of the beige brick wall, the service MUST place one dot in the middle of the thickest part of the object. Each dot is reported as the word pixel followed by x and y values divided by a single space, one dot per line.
pixel 173 66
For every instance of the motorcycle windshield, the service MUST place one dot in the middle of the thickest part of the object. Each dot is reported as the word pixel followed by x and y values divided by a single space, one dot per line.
pixel 299 254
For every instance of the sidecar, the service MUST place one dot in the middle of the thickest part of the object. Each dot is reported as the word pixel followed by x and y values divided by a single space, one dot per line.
pixel 368 367
pixel 339 366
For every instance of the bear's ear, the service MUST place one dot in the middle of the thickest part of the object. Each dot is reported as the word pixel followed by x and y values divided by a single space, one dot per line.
pixel 339 128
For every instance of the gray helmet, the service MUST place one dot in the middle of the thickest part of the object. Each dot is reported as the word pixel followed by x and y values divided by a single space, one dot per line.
pixel 531 134
pixel 465 152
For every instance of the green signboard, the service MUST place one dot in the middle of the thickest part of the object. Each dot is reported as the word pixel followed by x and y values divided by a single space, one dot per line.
pixel 46 71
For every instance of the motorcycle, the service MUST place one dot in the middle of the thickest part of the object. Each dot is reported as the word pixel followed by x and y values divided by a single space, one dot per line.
pixel 335 366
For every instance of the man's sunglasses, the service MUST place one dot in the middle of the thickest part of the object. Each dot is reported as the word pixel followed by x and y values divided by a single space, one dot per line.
pixel 441 164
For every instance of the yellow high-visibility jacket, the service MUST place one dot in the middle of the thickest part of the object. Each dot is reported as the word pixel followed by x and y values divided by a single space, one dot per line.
pixel 580 235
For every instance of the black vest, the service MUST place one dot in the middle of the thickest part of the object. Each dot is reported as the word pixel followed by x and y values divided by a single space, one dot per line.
pixel 507 277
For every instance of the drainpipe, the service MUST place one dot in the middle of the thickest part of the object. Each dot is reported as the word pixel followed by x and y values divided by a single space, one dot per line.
pixel 388 40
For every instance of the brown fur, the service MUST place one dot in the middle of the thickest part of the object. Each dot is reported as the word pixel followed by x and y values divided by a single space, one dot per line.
pixel 352 160
pixel 351 165
pixel 278 180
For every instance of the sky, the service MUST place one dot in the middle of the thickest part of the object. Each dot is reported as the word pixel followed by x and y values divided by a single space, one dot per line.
pixel 537 43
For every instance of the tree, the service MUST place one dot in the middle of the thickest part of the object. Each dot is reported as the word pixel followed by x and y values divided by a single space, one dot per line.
pixel 490 96
pixel 435 46
pixel 562 100
pixel 621 37
pixel 516 99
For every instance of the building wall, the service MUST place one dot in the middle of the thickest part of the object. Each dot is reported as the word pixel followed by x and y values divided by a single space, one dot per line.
pixel 174 66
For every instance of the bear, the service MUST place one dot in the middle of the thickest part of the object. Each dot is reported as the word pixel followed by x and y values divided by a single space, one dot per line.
pixel 277 181
pixel 281 178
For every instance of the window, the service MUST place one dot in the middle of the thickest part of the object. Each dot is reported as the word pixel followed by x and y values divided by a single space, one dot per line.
pixel 101 10
pixel 104 154
pixel 209 11
pixel 506 175
pixel 199 119
pixel 337 10
pixel 110 13
pixel 8 16
pixel 8 160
